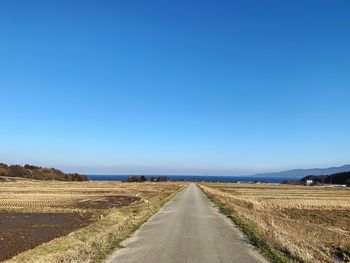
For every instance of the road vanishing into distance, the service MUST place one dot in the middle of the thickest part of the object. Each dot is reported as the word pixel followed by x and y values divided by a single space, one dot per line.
pixel 188 229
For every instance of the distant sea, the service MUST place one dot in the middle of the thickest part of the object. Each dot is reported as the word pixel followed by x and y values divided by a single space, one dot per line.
pixel 200 178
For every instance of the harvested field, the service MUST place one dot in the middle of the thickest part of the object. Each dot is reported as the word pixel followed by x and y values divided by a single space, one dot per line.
pixel 36 216
pixel 23 231
pixel 300 223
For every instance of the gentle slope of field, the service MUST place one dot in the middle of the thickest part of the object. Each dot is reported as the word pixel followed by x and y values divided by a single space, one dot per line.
pixel 289 223
pixel 100 214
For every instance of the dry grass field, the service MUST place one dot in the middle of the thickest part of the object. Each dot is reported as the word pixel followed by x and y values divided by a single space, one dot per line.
pixel 289 223
pixel 50 221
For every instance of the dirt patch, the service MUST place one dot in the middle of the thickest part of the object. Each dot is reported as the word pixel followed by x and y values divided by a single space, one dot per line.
pixel 107 202
pixel 23 231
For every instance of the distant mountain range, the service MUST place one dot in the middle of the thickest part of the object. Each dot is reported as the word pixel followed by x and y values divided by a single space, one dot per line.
pixel 299 173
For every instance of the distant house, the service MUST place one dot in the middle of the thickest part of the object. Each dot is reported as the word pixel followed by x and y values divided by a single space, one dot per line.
pixel 309 182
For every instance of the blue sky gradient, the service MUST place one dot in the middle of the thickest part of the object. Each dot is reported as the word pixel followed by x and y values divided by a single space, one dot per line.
pixel 175 87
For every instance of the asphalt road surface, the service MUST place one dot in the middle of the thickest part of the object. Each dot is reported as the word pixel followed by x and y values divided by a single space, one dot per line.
pixel 187 229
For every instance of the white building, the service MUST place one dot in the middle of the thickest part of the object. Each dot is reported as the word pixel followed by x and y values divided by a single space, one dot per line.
pixel 309 182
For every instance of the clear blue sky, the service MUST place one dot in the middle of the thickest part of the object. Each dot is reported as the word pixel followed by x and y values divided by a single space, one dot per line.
pixel 175 87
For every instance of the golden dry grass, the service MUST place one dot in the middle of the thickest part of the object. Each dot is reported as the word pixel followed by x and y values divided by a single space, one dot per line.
pixel 54 196
pixel 94 242
pixel 311 224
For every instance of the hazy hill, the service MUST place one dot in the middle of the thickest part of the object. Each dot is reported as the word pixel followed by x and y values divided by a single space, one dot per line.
pixel 38 173
pixel 338 178
pixel 299 173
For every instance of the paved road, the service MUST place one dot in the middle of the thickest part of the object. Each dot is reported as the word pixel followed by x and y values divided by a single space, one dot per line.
pixel 187 229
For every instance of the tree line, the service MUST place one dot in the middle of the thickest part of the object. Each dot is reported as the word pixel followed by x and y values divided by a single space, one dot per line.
pixel 39 173
pixel 143 178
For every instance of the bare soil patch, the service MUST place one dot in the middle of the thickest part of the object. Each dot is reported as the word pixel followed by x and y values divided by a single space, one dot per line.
pixel 108 202
pixel 23 231
pixel 35 212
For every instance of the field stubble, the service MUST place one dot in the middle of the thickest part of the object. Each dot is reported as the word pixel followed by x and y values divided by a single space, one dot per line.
pixel 73 222
pixel 290 223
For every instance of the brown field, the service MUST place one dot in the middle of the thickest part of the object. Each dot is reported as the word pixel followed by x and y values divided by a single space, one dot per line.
pixel 307 224
pixel 73 222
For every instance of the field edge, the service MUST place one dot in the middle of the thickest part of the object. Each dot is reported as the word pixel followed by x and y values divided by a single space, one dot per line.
pixel 253 234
